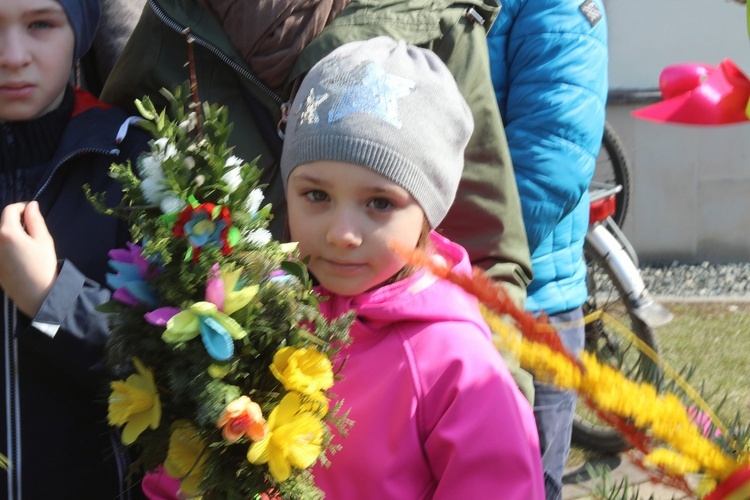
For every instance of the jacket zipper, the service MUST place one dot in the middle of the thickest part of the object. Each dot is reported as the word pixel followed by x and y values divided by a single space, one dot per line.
pixel 216 51
pixel 12 404
pixel 101 151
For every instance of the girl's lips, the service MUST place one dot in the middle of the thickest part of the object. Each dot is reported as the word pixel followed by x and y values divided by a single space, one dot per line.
pixel 343 267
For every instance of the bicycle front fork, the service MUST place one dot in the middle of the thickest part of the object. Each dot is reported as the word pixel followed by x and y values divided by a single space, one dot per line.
pixel 606 239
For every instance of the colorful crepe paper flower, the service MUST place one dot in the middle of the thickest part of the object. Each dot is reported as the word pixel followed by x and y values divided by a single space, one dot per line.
pixel 242 417
pixel 206 225
pixel 305 370
pixel 294 439
pixel 210 319
pixel 217 330
pixel 185 457
pixel 130 281
pixel 226 289
pixel 135 403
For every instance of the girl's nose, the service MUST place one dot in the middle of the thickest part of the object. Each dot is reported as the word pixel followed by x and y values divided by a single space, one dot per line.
pixel 13 51
pixel 343 230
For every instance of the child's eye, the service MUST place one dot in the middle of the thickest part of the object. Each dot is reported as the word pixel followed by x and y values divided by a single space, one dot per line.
pixel 381 204
pixel 316 195
pixel 40 25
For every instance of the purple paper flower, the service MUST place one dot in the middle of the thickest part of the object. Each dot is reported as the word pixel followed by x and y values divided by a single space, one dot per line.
pixel 129 282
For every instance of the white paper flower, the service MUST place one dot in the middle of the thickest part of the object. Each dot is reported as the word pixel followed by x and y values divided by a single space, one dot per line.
pixel 153 189
pixel 258 237
pixel 189 124
pixel 232 178
pixel 165 148
pixel 254 199
pixel 172 203
pixel 149 167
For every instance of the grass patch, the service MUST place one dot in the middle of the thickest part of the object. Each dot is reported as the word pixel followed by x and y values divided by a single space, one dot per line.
pixel 714 338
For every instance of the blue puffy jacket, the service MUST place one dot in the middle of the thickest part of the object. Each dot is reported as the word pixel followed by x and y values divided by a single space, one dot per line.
pixel 549 69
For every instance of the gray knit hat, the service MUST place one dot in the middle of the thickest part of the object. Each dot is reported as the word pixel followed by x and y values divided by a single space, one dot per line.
pixel 84 17
pixel 390 107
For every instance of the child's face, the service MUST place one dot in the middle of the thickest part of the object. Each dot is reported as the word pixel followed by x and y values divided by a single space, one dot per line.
pixel 344 217
pixel 36 56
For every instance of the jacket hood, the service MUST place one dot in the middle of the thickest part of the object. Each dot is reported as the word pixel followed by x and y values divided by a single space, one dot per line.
pixel 421 297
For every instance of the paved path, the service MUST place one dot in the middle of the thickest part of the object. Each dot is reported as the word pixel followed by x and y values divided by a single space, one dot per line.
pixel 578 485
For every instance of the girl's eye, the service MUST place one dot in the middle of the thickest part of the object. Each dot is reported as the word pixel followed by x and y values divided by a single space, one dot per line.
pixel 316 195
pixel 381 204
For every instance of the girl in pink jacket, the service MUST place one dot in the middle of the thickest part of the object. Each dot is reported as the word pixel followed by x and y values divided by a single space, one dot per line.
pixel 372 157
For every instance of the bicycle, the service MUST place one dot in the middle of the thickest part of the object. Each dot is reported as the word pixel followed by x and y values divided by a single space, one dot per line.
pixel 616 292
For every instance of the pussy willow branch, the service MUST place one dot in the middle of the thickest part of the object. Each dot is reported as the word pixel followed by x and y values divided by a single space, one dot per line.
pixel 194 83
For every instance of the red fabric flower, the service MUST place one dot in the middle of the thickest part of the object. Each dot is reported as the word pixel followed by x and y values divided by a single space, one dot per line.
pixel 205 225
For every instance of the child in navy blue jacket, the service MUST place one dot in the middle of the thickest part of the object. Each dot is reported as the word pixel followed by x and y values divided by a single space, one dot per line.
pixel 53 255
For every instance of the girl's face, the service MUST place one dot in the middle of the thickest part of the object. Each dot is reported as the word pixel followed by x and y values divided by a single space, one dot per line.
pixel 36 56
pixel 344 217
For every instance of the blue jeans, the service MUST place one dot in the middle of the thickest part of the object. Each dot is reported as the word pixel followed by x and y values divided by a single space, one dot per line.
pixel 554 409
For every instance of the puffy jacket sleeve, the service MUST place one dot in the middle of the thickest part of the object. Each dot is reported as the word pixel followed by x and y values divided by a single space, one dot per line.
pixel 479 433
pixel 549 69
pixel 67 331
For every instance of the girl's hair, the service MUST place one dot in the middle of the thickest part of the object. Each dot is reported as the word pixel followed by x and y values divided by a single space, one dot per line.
pixel 424 244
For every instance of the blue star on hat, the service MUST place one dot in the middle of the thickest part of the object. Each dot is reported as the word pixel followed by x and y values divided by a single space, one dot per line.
pixel 368 88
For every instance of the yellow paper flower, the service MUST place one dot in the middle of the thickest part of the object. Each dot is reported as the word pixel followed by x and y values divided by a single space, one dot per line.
pixel 242 417
pixel 316 403
pixel 135 403
pixel 305 370
pixel 236 297
pixel 185 457
pixel 294 439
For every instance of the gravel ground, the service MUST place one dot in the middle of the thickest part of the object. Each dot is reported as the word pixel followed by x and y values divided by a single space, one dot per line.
pixel 697 280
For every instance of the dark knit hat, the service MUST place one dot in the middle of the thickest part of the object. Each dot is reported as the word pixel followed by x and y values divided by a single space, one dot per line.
pixel 388 106
pixel 84 17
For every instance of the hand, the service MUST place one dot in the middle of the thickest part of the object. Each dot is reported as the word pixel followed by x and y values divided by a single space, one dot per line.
pixel 28 261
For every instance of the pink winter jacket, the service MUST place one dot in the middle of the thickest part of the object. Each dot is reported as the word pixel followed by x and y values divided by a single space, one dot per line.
pixel 436 412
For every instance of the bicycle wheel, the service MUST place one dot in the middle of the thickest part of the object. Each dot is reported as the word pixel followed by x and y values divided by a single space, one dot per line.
pixel 612 168
pixel 606 294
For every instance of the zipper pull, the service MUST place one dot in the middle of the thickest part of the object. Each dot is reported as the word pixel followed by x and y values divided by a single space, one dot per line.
pixel 281 126
pixel 475 16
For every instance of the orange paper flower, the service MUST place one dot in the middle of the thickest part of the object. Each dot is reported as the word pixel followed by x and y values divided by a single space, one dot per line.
pixel 242 417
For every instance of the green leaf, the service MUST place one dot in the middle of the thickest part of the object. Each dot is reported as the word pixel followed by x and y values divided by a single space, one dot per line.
pixel 233 236
pixel 296 269
pixel 146 113
pixel 171 218
pixel 162 120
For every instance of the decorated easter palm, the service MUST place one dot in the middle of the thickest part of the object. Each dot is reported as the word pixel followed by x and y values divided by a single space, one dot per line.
pixel 218 376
